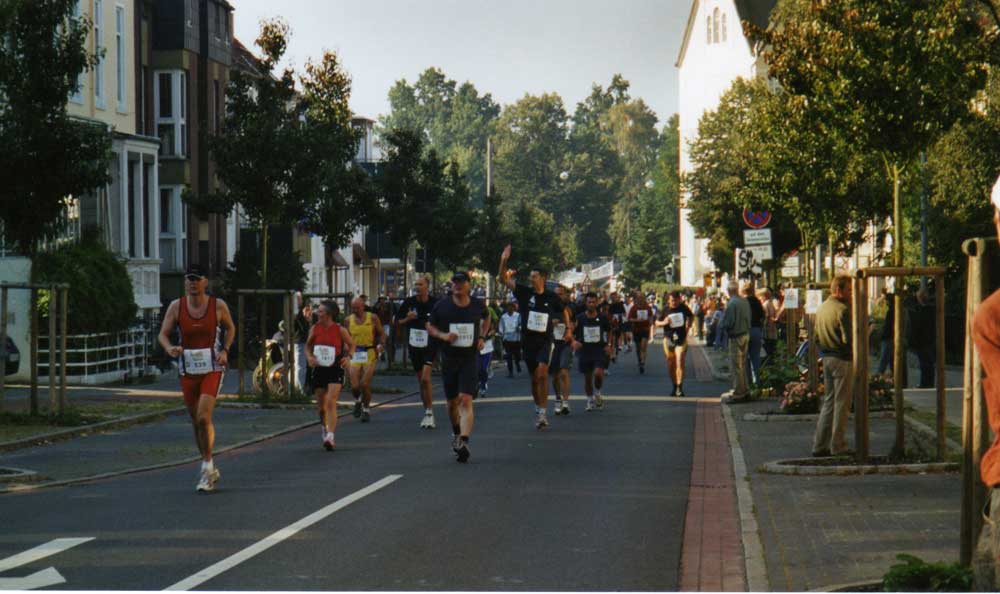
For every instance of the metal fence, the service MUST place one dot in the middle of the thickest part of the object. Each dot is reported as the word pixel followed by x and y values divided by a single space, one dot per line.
pixel 102 358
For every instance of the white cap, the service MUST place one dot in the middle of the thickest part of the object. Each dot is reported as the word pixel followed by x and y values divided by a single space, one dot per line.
pixel 995 194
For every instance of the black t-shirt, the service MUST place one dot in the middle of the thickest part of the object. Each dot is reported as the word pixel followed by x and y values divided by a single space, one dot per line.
pixel 464 321
pixel 756 312
pixel 617 311
pixel 677 335
pixel 534 307
pixel 587 337
pixel 423 311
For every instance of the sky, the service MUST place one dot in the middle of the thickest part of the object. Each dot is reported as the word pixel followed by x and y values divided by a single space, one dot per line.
pixel 507 48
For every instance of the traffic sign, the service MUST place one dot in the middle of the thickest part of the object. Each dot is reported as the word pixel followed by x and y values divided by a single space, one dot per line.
pixel 756 236
pixel 756 219
pixel 761 252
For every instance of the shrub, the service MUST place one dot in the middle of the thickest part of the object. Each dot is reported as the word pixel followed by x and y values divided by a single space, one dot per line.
pixel 100 294
pixel 799 400
pixel 916 575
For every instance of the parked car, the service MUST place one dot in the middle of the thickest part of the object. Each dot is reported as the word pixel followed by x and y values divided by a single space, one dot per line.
pixel 13 358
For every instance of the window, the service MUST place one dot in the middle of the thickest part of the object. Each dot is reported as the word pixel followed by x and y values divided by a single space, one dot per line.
pixel 77 96
pixel 715 26
pixel 170 97
pixel 98 47
pixel 225 24
pixel 120 56
pixel 723 27
pixel 218 21
pixel 173 229
pixel 708 22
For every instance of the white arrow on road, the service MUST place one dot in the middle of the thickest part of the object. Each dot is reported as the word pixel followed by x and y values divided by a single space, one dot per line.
pixel 39 579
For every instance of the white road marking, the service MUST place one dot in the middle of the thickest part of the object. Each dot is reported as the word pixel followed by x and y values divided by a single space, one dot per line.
pixel 259 547
pixel 574 398
pixel 39 579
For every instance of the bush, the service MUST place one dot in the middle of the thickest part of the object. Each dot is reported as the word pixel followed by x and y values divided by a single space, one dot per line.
pixel 916 575
pixel 100 294
pixel 798 400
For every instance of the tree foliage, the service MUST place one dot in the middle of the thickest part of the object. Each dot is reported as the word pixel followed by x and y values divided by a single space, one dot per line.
pixel 46 155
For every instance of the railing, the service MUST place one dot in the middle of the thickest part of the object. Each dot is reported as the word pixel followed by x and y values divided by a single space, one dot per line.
pixel 102 358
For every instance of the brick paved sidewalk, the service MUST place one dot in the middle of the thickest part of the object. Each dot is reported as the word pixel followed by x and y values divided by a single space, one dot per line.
pixel 712 552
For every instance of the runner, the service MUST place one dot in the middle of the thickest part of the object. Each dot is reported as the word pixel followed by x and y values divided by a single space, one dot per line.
pixel 460 323
pixel 202 360
pixel 629 304
pixel 590 339
pixel 369 338
pixel 562 355
pixel 618 320
pixel 414 314
pixel 328 350
pixel 676 323
pixel 510 330
pixel 539 310
pixel 641 318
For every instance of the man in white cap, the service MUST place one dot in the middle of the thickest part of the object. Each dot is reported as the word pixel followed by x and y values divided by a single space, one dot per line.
pixel 986 335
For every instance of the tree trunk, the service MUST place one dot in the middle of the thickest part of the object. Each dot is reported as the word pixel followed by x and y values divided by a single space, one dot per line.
pixel 899 349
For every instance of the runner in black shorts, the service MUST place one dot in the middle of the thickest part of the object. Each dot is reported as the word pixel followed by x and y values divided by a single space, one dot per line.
pixel 460 323
pixel 616 312
pixel 676 323
pixel 539 309
pixel 414 314
pixel 590 341
pixel 328 351
pixel 562 356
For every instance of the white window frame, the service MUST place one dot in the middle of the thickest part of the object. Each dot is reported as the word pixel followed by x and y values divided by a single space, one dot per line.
pixel 77 97
pixel 178 111
pixel 177 226
pixel 99 97
pixel 121 58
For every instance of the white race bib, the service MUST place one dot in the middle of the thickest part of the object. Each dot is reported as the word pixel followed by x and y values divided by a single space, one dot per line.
pixel 360 356
pixel 676 320
pixel 487 348
pixel 197 361
pixel 559 331
pixel 642 315
pixel 538 321
pixel 465 333
pixel 591 334
pixel 325 355
pixel 418 339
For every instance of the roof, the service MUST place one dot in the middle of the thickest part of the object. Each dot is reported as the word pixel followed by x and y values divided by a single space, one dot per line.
pixel 244 60
pixel 757 12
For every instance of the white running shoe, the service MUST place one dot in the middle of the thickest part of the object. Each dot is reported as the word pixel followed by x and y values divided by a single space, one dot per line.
pixel 599 400
pixel 590 404
pixel 428 421
pixel 541 422
pixel 208 480
pixel 565 407
pixel 328 443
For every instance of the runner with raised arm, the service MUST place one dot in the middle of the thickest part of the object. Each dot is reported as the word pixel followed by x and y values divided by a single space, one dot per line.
pixel 539 309
pixel 203 355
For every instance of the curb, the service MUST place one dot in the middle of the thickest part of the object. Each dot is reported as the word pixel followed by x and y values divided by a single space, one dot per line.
pixel 789 467
pixel 787 418
pixel 753 549
pixel 62 435
pixel 18 474
pixel 853 587
pixel 719 377
pixel 236 446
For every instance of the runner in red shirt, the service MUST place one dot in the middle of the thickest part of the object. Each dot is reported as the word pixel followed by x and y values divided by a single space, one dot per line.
pixel 202 359
pixel 328 350
pixel 641 317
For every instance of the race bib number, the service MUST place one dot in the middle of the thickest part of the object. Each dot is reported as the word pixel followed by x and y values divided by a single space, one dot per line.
pixel 418 339
pixel 487 348
pixel 325 355
pixel 360 356
pixel 559 331
pixel 466 333
pixel 591 334
pixel 676 320
pixel 538 321
pixel 197 361
pixel 642 315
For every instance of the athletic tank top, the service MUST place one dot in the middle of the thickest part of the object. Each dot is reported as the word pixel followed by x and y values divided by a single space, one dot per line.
pixel 199 335
pixel 363 333
pixel 328 335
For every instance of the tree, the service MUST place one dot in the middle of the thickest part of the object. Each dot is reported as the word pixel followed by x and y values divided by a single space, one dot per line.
pixel 455 224
pixel 281 151
pixel 631 132
pixel 47 156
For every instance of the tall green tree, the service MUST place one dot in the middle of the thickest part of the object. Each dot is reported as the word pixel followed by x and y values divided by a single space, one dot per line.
pixel 630 129
pixel 46 155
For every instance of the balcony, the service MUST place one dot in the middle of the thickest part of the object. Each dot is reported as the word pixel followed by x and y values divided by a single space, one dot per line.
pixel 145 275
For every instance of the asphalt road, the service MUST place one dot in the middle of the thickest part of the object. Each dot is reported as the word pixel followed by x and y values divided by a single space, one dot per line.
pixel 596 502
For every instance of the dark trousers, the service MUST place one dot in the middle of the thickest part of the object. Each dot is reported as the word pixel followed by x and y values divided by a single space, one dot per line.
pixel 512 353
pixel 925 354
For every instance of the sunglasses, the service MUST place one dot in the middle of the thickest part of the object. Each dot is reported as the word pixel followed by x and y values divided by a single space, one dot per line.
pixel 193 277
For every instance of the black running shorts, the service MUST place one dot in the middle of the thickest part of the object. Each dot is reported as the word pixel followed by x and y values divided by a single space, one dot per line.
pixel 459 376
pixel 421 357
pixel 537 353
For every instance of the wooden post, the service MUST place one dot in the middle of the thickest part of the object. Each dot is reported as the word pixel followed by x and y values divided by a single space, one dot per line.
pixel 898 368
pixel 33 348
pixel 240 358
pixel 859 339
pixel 262 302
pixel 3 345
pixel 289 303
pixel 51 357
pixel 64 332
pixel 812 352
pixel 942 404
pixel 791 331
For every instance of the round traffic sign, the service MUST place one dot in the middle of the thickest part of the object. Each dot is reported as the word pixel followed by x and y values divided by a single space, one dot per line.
pixel 756 219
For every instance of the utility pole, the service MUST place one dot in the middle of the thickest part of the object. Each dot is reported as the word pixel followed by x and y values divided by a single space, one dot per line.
pixel 923 217
pixel 489 194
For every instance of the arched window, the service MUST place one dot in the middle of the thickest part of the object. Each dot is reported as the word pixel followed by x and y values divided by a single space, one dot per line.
pixel 723 27
pixel 715 26
pixel 708 21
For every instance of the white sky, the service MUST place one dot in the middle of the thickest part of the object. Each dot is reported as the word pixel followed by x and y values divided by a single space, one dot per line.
pixel 504 47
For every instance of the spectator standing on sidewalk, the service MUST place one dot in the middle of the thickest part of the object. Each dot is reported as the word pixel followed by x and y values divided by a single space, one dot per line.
pixel 921 339
pixel 304 320
pixel 833 337
pixel 986 335
pixel 510 331
pixel 757 316
pixel 770 321
pixel 736 327
pixel 886 336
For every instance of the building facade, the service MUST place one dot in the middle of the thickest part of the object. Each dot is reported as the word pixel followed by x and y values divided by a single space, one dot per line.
pixel 714 53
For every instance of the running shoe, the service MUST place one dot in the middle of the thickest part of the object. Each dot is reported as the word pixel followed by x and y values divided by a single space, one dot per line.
pixel 456 443
pixel 428 422
pixel 599 401
pixel 208 480
pixel 590 404
pixel 366 415
pixel 541 422
pixel 357 409
pixel 674 392
pixel 328 443
pixel 323 431
pixel 565 408
pixel 463 451
pixel 680 392
pixel 642 368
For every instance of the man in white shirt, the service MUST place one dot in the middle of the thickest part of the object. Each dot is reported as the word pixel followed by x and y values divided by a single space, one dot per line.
pixel 510 329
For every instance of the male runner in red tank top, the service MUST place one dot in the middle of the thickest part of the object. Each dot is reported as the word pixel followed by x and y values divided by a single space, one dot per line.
pixel 202 359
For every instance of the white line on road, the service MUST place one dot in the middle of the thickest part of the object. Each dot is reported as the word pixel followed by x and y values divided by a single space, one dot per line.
pixel 259 547
pixel 53 547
